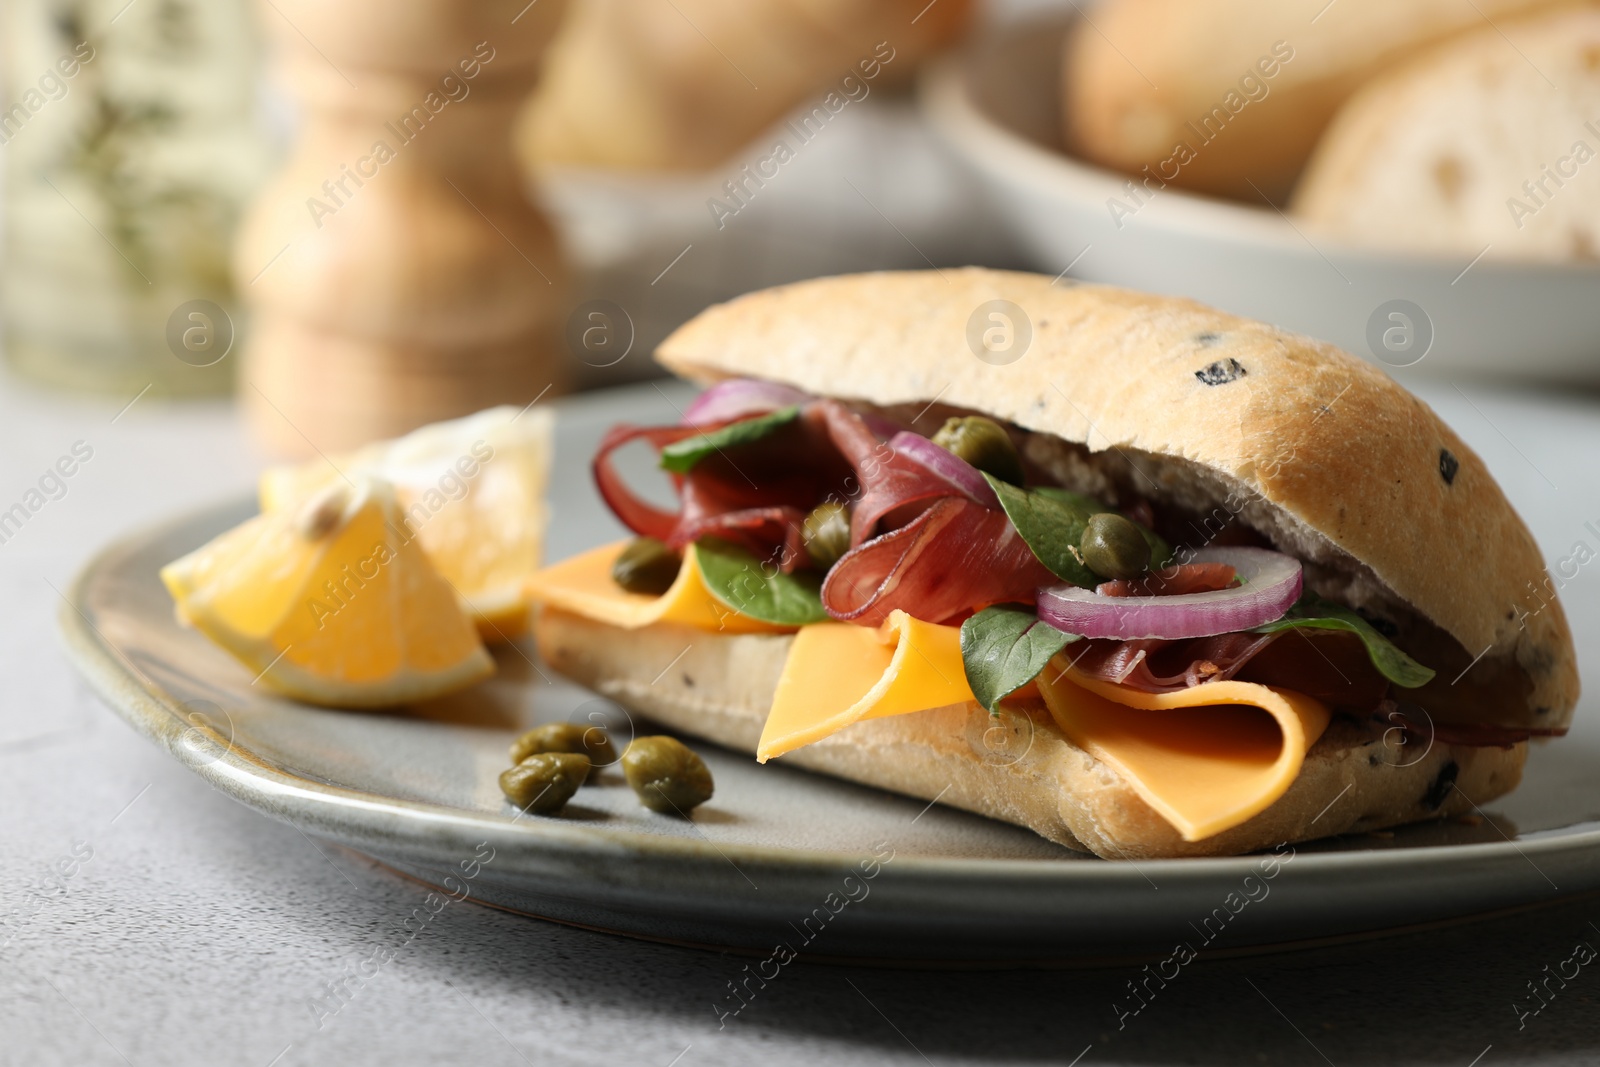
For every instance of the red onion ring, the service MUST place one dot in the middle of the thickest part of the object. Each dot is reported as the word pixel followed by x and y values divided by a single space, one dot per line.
pixel 882 428
pixel 1270 584
pixel 953 559
pixel 738 397
pixel 945 465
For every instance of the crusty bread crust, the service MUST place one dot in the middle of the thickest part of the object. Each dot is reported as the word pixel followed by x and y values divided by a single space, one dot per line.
pixel 1322 453
pixel 1136 72
pixel 1020 768
pixel 1434 155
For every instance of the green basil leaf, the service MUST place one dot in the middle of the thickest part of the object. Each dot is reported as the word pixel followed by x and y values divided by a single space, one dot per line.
pixel 681 456
pixel 756 588
pixel 1160 551
pixel 1004 648
pixel 1312 612
pixel 1081 501
pixel 1051 525
pixel 1051 521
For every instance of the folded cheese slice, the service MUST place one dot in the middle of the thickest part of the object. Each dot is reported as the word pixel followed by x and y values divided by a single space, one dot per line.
pixel 838 673
pixel 583 585
pixel 1206 758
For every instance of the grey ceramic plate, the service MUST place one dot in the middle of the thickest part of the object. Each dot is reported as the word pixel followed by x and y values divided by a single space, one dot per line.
pixel 776 856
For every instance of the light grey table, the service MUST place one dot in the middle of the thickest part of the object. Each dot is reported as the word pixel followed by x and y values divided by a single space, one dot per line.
pixel 145 919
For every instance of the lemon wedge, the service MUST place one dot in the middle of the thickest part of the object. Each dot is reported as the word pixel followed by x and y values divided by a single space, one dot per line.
pixel 332 603
pixel 470 490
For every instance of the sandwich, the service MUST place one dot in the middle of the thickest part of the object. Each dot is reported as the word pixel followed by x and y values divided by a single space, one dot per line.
pixel 1146 578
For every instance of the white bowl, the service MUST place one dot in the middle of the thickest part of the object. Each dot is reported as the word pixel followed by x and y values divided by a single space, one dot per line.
pixel 997 106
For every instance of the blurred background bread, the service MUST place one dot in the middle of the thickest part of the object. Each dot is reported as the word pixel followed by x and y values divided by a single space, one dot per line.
pixel 682 84
pixel 1138 73
pixel 1488 140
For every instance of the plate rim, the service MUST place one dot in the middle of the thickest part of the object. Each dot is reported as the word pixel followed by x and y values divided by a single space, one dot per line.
pixel 267 788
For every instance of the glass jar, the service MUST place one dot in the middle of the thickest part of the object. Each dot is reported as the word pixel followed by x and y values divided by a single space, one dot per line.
pixel 131 144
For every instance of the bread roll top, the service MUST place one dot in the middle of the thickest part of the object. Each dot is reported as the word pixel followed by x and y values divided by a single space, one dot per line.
pixel 1487 140
pixel 1322 454
pixel 1247 85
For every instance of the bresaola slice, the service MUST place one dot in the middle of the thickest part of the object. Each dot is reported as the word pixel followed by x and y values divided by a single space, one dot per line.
pixel 760 497
pixel 1329 666
pixel 1425 729
pixel 1173 581
pixel 893 486
pixel 749 503
pixel 953 559
pixel 643 518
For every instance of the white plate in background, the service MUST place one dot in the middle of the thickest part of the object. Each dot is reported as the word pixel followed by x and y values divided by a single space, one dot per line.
pixel 997 106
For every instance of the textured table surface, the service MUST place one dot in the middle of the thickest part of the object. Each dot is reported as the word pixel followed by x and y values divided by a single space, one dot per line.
pixel 150 920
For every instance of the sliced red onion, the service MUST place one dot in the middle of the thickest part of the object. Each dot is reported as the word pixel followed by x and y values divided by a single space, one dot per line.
pixel 738 397
pixel 1269 584
pixel 946 466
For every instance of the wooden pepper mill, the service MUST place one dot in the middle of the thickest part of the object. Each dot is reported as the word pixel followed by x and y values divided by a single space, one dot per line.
pixel 395 271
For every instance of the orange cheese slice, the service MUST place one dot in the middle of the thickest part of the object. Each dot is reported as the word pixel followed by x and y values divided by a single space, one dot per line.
pixel 1206 758
pixel 837 674
pixel 583 586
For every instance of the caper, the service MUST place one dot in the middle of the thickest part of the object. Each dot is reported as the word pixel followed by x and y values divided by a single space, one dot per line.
pixel 545 781
pixel 1113 547
pixel 826 533
pixel 590 741
pixel 982 443
pixel 666 774
pixel 646 566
